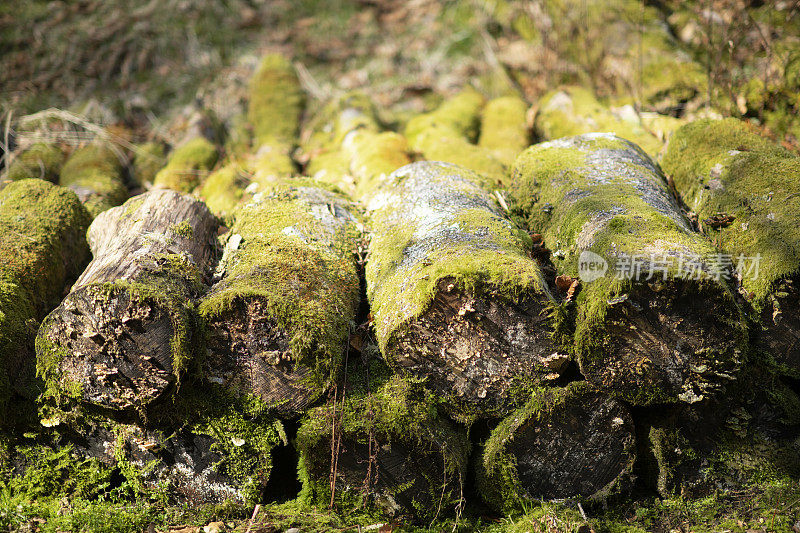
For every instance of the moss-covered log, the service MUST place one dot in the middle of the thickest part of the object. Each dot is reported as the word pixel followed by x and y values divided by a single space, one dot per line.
pixel 224 189
pixel 276 104
pixel 277 322
pixel 94 172
pixel 42 244
pixel 448 132
pixel 209 448
pixel 188 165
pixel 127 330
pixel 504 128
pixel 373 156
pixel 574 111
pixel 323 137
pixel 563 443
pixel 393 451
pixel 148 159
pixel 456 298
pixel 655 321
pixel 745 192
pixel 41 160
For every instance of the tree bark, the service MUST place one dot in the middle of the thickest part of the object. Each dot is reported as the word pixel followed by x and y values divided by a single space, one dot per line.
pixel 42 243
pixel 456 298
pixel 656 322
pixel 127 330
pixel 743 189
pixel 563 443
pixel 278 319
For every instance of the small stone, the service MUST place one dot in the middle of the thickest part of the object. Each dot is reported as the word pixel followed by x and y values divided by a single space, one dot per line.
pixel 214 527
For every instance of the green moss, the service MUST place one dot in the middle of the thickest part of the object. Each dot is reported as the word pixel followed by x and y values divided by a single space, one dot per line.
pixel 42 160
pixel 271 163
pixel 299 263
pixel 504 128
pixel 600 193
pixel 148 159
pixel 95 173
pixel 419 238
pixel 373 156
pixel 187 165
pixel 459 151
pixel 722 167
pixel 276 102
pixel 458 116
pixel 42 243
pixel 398 413
pixel 574 111
pixel 223 189
pixel 328 128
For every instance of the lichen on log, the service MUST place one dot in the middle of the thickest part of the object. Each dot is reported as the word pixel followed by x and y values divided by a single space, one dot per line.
pixel 42 243
pixel 456 298
pixel 127 330
pixel 657 323
pixel 744 191
pixel 94 172
pixel 563 443
pixel 277 322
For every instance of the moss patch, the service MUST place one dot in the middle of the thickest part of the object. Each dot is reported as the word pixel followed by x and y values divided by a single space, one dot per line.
pixel 148 159
pixel 95 173
pixel 187 166
pixel 223 189
pixel 504 128
pixel 276 102
pixel 42 160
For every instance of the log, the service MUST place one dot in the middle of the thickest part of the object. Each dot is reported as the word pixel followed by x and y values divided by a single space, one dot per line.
pixel 188 165
pixel 148 159
pixel 744 191
pixel 41 160
pixel 42 244
pixel 504 128
pixel 575 111
pixel 565 442
pixel 94 172
pixel 321 146
pixel 456 298
pixel 656 321
pixel 275 107
pixel 393 451
pixel 127 330
pixel 277 321
pixel 206 450
pixel 447 133
pixel 373 156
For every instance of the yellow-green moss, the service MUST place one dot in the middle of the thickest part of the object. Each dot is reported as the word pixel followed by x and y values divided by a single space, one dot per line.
pixel 42 160
pixel 188 165
pixel 722 167
pixel 373 156
pixel 42 228
pixel 95 173
pixel 458 116
pixel 271 163
pixel 224 189
pixel 298 261
pixel 574 111
pixel 504 128
pixel 148 159
pixel 276 102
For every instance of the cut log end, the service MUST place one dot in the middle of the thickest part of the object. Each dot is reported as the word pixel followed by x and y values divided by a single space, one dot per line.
pixel 475 350
pixel 563 443
pixel 116 346
pixel 665 343
pixel 250 353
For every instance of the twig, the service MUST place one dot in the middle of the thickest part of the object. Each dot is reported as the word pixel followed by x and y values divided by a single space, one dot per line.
pixel 501 201
pixel 309 83
pixel 255 513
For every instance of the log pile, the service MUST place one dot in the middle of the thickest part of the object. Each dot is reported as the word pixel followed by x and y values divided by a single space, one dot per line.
pixel 430 318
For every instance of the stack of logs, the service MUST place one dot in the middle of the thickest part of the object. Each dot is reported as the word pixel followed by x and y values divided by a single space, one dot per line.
pixel 420 302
